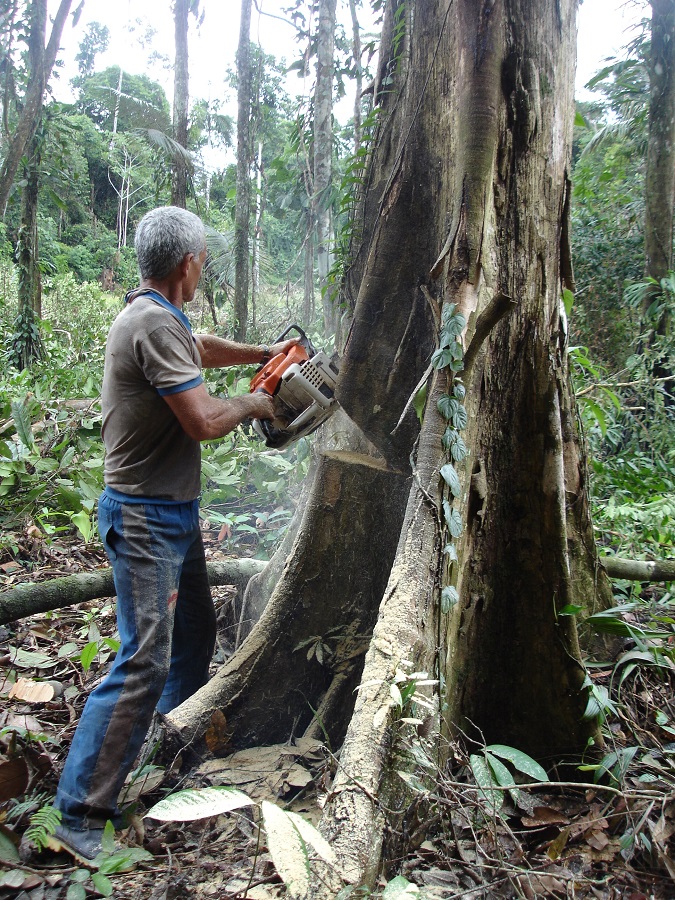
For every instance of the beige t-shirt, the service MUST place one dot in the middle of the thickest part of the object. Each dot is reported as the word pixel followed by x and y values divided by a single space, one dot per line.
pixel 150 353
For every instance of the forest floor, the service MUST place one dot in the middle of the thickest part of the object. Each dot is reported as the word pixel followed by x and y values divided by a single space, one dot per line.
pixel 562 841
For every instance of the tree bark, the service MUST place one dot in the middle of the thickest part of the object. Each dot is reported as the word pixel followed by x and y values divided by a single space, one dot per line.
pixel 242 214
pixel 660 175
pixel 33 100
pixel 181 11
pixel 317 623
pixel 32 598
pixel 465 206
pixel 638 569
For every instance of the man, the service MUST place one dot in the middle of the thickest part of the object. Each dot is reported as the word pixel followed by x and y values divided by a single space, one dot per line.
pixel 156 410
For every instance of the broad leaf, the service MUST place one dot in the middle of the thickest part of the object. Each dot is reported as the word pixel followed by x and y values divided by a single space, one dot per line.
pixel 449 598
pixel 315 839
pixel 287 848
pixel 451 478
pixel 198 803
pixel 485 781
pixel 398 888
pixel 519 760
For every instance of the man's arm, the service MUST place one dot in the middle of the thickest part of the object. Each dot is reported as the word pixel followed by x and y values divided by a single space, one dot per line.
pixel 216 352
pixel 204 417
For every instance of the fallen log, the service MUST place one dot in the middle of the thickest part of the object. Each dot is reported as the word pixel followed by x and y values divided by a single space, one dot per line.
pixel 31 598
pixel 639 569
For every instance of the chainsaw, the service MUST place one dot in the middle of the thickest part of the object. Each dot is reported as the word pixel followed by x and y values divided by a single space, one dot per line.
pixel 301 383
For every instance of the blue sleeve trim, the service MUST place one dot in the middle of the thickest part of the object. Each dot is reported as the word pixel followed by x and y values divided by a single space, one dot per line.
pixel 179 388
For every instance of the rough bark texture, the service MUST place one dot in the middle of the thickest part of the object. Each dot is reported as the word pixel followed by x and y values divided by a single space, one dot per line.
pixel 660 177
pixel 181 11
pixel 242 213
pixel 32 598
pixel 465 205
pixel 317 624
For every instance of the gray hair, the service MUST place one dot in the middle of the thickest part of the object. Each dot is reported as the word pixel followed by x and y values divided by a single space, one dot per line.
pixel 164 236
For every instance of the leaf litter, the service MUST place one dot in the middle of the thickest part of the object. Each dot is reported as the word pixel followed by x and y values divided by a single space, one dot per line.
pixel 559 842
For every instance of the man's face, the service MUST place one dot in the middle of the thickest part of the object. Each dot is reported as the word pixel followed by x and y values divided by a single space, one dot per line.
pixel 193 276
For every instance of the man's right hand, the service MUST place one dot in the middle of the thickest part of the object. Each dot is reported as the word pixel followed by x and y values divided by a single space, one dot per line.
pixel 263 406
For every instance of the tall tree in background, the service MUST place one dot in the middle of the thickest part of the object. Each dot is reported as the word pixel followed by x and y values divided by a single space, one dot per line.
pixel 28 115
pixel 660 176
pixel 242 216
pixel 323 153
pixel 181 11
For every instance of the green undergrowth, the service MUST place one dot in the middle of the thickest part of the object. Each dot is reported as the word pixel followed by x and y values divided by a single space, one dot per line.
pixel 51 453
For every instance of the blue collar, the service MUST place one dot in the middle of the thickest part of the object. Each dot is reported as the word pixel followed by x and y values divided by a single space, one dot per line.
pixel 162 301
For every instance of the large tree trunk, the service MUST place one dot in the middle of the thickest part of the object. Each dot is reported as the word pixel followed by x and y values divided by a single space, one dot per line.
pixel 181 11
pixel 242 213
pixel 464 213
pixel 297 670
pixel 34 97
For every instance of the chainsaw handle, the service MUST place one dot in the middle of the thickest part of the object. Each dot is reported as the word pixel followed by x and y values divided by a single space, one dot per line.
pixel 304 340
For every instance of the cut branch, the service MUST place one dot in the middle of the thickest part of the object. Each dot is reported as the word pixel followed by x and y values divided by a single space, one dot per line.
pixel 638 569
pixel 32 598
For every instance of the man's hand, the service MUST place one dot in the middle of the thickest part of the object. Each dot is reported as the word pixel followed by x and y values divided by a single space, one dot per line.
pixel 264 406
pixel 283 346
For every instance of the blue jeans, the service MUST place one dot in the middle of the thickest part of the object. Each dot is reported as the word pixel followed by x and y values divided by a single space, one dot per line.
pixel 167 628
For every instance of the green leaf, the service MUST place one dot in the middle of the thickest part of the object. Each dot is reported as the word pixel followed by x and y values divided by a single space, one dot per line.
pixel 420 401
pixel 102 884
pixel 121 861
pixel 458 449
pixel 198 803
pixel 449 598
pixel 76 891
pixel 459 390
pixel 22 423
pixel 108 838
pixel 570 610
pixel 568 301
pixel 519 760
pixel 441 358
pixel 459 418
pixel 579 120
pixel 502 775
pixel 8 852
pixel 451 552
pixel 314 838
pixel 485 781
pixel 446 406
pixel 451 478
pixel 82 521
pixel 88 655
pixel 287 849
pixel 399 888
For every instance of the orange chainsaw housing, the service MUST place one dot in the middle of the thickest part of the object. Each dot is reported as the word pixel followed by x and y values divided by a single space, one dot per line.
pixel 269 377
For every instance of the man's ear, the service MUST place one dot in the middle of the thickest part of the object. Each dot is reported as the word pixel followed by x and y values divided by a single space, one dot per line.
pixel 184 264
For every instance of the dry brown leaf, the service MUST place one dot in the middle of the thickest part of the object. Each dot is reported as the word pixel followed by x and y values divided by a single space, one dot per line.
pixel 31 691
pixel 544 815
pixel 598 840
pixel 217 737
pixel 14 777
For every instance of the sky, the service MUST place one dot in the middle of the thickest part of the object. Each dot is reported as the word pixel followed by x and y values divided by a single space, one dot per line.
pixel 604 27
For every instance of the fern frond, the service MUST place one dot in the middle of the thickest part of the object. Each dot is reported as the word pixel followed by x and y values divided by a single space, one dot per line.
pixel 43 824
